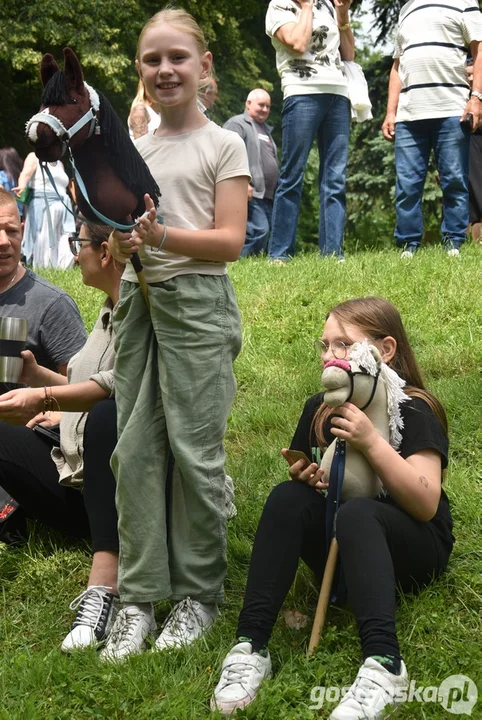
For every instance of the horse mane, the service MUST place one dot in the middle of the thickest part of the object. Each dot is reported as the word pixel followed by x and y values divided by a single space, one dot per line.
pixel 55 91
pixel 125 159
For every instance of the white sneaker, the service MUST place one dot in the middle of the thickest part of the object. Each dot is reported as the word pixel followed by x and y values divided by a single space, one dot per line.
pixel 407 255
pixel 186 622
pixel 242 673
pixel 453 252
pixel 97 609
pixel 373 690
pixel 132 628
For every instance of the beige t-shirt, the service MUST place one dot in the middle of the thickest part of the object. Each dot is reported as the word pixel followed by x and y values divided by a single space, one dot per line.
pixel 187 168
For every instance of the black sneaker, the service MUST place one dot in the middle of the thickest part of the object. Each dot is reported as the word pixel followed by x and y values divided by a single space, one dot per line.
pixel 97 608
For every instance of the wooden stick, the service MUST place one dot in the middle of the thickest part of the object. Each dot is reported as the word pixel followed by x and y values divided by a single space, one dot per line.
pixel 324 598
pixel 137 265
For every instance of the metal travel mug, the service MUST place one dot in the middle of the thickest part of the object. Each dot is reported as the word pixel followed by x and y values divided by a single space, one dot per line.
pixel 13 339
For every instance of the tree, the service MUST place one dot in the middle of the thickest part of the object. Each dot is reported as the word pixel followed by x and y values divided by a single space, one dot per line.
pixel 104 36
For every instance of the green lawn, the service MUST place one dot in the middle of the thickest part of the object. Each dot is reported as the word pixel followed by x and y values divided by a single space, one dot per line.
pixel 283 309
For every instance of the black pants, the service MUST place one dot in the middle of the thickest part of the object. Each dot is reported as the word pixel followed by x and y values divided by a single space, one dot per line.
pixel 29 474
pixel 380 546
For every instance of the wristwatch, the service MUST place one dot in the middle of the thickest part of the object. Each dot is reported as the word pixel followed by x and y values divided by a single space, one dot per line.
pixel 477 94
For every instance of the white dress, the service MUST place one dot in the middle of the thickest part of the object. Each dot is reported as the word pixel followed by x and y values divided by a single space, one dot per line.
pixel 49 223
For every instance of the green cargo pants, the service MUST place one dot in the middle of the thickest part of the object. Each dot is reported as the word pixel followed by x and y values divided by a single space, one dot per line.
pixel 174 386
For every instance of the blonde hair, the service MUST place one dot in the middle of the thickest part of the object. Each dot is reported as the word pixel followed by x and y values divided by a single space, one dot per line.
pixel 142 97
pixel 378 319
pixel 181 20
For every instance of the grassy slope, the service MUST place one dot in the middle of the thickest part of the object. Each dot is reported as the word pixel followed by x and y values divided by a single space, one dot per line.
pixel 283 310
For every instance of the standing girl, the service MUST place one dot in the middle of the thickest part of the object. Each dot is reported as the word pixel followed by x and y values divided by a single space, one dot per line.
pixel 403 537
pixel 174 359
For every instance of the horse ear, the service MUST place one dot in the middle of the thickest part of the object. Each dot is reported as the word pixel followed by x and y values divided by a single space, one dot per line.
pixel 48 68
pixel 376 354
pixel 73 71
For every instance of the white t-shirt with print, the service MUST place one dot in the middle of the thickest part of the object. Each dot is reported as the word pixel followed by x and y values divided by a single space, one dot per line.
pixel 431 44
pixel 187 168
pixel 319 68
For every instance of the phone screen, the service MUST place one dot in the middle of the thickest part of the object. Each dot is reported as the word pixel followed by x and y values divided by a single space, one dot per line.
pixel 293 456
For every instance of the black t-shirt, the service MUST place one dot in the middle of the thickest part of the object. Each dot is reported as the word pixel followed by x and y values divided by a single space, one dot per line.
pixel 422 430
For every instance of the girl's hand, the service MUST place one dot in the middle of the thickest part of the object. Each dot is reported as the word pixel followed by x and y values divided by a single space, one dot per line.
pixel 48 420
pixel 31 371
pixel 148 231
pixel 311 475
pixel 121 245
pixel 17 407
pixel 354 427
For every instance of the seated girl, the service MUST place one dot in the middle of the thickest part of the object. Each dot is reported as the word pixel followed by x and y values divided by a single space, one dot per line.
pixel 403 538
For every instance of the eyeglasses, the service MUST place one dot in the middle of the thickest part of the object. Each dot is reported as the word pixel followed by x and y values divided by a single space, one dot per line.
pixel 76 244
pixel 338 348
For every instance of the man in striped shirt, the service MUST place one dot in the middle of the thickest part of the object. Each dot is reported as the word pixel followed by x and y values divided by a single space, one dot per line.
pixel 431 106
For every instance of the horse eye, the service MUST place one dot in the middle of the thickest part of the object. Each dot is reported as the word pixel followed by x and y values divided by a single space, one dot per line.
pixel 73 101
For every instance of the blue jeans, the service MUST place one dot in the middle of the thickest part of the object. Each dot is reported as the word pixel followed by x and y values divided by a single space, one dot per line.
pixel 450 142
pixel 260 211
pixel 304 118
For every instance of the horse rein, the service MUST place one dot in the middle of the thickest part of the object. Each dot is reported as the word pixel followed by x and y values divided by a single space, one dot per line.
pixel 65 136
pixel 375 377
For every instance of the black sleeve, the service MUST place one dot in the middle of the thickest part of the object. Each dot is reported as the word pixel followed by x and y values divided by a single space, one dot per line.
pixel 304 438
pixel 422 430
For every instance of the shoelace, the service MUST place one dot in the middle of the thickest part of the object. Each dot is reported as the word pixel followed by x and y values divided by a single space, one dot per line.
pixel 237 673
pixel 365 688
pixel 183 614
pixel 125 625
pixel 92 604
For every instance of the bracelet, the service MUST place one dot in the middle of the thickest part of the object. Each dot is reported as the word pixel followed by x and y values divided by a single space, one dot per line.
pixel 163 240
pixel 50 403
pixel 344 27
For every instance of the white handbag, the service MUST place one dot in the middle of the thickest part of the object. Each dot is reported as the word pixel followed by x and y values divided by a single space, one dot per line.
pixel 361 107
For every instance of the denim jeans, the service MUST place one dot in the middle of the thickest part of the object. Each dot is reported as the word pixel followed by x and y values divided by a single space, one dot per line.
pixel 325 117
pixel 450 142
pixel 260 211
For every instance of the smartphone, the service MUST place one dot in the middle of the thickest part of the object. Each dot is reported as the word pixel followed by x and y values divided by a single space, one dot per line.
pixel 468 121
pixel 51 435
pixel 293 456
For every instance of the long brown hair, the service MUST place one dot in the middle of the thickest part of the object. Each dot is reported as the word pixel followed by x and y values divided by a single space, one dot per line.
pixel 378 318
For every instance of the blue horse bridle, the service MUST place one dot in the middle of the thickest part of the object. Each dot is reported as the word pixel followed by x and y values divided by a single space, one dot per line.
pixel 65 135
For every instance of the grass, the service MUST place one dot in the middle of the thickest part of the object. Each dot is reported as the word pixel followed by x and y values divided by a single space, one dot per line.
pixel 283 310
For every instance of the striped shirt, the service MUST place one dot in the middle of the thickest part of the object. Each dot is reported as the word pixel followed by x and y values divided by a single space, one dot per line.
pixel 431 43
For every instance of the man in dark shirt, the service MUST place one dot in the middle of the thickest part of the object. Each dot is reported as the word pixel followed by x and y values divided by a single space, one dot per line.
pixel 55 327
pixel 263 166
